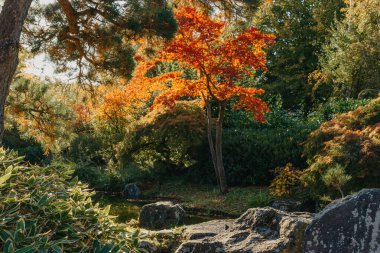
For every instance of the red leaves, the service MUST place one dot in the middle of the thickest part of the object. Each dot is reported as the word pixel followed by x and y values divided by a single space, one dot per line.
pixel 221 61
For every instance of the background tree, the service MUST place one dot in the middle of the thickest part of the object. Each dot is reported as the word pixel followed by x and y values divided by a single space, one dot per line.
pixel 95 35
pixel 220 63
pixel 231 9
pixel 350 60
pixel 302 27
pixel 40 110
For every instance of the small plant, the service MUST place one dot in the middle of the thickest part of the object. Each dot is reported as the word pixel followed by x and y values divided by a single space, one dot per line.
pixel 261 199
pixel 286 182
pixel 335 177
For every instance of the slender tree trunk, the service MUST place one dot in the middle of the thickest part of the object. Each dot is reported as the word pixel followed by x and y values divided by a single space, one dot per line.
pixel 12 19
pixel 211 141
pixel 218 149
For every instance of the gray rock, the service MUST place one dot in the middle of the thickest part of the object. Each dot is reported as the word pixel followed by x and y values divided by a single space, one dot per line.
pixel 161 215
pixel 132 191
pixel 259 230
pixel 292 205
pixel 287 205
pixel 149 247
pixel 349 225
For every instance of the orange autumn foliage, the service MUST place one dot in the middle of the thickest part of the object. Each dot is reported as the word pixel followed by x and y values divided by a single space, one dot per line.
pixel 121 104
pixel 221 61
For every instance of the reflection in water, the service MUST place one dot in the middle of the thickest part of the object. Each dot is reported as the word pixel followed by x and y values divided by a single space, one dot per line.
pixel 127 210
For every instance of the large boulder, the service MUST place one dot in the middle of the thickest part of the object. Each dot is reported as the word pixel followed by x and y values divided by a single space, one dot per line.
pixel 161 215
pixel 258 230
pixel 132 191
pixel 348 225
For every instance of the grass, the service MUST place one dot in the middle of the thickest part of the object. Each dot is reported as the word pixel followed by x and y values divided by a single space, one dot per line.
pixel 208 198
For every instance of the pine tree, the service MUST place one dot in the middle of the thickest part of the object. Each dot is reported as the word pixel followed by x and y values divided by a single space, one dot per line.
pixel 95 35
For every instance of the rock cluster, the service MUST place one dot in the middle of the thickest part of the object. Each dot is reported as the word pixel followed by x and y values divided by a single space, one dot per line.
pixel 258 230
pixel 349 225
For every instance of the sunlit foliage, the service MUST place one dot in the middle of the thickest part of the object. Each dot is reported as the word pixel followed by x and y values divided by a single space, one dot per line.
pixel 349 142
pixel 42 210
pixel 349 62
pixel 39 110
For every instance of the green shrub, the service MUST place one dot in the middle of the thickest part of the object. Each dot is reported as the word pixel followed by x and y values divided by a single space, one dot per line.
pixel 343 153
pixel 41 210
pixel 336 177
pixel 326 111
pixel 253 150
pixel 163 142
pixel 351 140
pixel 261 199
pixel 27 147
pixel 92 157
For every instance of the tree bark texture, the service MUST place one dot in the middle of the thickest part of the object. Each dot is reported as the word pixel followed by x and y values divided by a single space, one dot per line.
pixel 12 18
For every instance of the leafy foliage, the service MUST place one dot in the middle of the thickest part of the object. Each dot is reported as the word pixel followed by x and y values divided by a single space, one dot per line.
pixel 349 62
pixel 335 177
pixel 302 27
pixel 347 147
pixel 287 182
pixel 42 210
pixel 37 110
pixel 274 144
pixel 97 37
pixel 162 142
pixel 32 150
pixel 92 155
pixel 327 111
pixel 202 45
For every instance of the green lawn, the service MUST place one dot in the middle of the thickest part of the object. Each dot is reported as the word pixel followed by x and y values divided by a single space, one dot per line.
pixel 208 198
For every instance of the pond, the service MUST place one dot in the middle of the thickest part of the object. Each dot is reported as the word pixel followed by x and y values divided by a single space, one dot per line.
pixel 125 209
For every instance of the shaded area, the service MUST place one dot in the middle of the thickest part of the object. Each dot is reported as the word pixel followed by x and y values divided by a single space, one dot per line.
pixel 127 209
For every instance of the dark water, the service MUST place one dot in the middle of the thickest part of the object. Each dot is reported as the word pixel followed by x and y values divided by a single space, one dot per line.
pixel 125 210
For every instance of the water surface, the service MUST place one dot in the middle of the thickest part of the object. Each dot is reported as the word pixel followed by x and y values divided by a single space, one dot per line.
pixel 126 210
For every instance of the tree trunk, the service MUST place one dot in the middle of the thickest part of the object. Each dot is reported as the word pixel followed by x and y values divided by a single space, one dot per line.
pixel 218 149
pixel 211 141
pixel 12 19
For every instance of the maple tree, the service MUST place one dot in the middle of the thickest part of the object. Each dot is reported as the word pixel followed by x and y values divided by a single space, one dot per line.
pixel 221 63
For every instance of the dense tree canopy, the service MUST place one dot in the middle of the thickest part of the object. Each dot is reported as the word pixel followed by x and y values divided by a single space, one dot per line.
pixel 97 35
pixel 350 60
pixel 301 27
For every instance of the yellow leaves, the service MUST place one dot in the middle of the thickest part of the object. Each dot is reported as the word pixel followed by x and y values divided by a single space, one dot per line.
pixel 286 181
